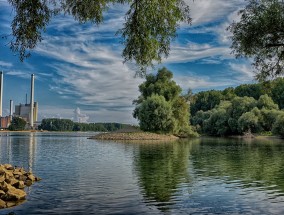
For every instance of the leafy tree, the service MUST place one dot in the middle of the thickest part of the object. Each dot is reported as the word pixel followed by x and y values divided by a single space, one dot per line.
pixel 206 100
pixel 266 102
pixel 160 108
pixel 259 34
pixel 217 124
pixel 17 124
pixel 249 121
pixel 147 32
pixel 249 90
pixel 278 127
pixel 155 114
pixel 277 92
pixel 268 118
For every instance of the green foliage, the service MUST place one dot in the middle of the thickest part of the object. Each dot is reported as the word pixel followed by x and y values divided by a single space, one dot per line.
pixel 266 102
pixel 217 124
pixel 17 124
pixel 241 114
pixel 149 26
pixel 250 90
pixel 268 118
pixel 68 125
pixel 155 114
pixel 278 127
pixel 249 121
pixel 259 34
pixel 206 100
pixel 160 108
pixel 277 92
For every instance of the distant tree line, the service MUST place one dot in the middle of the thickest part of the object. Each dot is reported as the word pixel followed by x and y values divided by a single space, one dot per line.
pixel 252 108
pixel 53 124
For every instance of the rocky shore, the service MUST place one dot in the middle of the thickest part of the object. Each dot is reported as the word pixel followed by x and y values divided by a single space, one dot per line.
pixel 133 136
pixel 13 180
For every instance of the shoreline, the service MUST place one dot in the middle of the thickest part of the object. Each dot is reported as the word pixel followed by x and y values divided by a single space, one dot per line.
pixel 133 136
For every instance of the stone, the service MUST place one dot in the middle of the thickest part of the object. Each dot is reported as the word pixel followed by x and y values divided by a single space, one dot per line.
pixel 14 194
pixel 22 178
pixel 13 181
pixel 37 178
pixel 2 178
pixel 4 186
pixel 1 193
pixel 11 204
pixel 2 204
pixel 19 185
pixel 31 177
pixel 28 183
pixel 17 172
pixel 8 167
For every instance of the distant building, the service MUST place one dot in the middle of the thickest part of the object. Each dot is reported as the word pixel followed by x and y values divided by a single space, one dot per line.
pixel 79 117
pixel 5 122
pixel 24 111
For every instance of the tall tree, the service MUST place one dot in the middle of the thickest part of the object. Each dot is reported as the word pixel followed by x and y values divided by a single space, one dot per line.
pixel 160 107
pixel 260 34
pixel 147 32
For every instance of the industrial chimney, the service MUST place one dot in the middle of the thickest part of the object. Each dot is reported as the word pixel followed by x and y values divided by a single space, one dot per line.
pixel 32 101
pixel 11 109
pixel 1 92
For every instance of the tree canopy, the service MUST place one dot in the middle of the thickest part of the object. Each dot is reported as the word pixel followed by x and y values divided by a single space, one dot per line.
pixel 147 32
pixel 260 35
pixel 160 107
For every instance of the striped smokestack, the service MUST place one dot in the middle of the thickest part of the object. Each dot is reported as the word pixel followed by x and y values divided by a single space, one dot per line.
pixel 1 92
pixel 32 101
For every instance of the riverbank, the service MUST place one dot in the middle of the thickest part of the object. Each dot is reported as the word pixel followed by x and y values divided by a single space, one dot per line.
pixel 133 136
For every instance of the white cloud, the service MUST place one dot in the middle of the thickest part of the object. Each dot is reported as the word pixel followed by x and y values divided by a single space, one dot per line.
pixel 204 11
pixel 192 52
pixel 5 64
pixel 244 70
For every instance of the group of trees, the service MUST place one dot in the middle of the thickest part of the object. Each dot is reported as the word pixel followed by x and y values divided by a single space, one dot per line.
pixel 207 100
pixel 17 124
pixel 54 124
pixel 160 107
pixel 231 111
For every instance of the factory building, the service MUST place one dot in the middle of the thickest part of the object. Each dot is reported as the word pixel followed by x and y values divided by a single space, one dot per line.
pixel 26 111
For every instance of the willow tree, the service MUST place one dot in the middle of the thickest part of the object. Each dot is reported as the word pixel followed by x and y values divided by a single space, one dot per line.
pixel 160 107
pixel 259 34
pixel 149 26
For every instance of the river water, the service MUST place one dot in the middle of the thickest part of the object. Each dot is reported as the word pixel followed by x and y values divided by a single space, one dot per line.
pixel 198 176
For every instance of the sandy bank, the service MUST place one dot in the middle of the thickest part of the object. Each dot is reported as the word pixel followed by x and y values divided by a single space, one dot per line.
pixel 133 136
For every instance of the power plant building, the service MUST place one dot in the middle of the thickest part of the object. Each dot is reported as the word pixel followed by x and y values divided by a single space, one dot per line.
pixel 24 111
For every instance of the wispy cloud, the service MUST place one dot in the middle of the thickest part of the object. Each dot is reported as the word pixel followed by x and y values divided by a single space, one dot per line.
pixel 5 64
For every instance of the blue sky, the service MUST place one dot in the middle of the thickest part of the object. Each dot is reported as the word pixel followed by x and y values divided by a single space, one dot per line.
pixel 81 65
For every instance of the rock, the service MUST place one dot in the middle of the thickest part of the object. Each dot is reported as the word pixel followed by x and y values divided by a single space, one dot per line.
pixel 4 186
pixel 12 182
pixel 13 194
pixel 22 178
pixel 28 183
pixel 31 177
pixel 37 178
pixel 11 204
pixel 19 185
pixel 2 204
pixel 2 178
pixel 8 167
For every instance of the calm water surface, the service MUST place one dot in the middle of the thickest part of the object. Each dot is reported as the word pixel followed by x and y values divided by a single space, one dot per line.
pixel 199 176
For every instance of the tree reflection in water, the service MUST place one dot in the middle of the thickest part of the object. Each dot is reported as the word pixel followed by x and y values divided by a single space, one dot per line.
pixel 169 171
